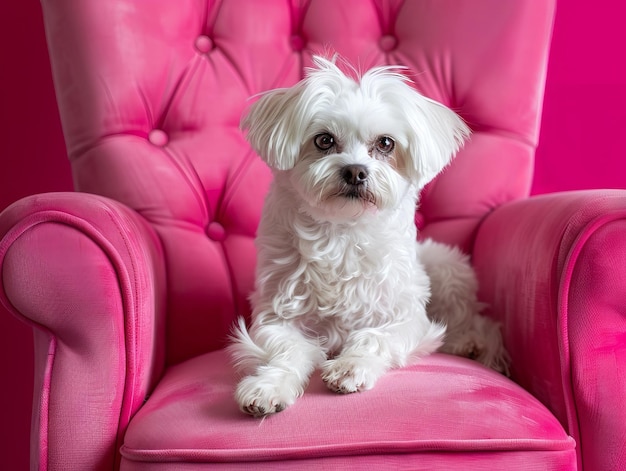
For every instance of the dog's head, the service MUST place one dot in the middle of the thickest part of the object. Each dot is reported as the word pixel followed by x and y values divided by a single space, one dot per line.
pixel 353 145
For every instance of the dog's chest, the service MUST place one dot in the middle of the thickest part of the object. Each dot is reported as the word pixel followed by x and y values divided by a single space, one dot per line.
pixel 338 259
pixel 328 278
pixel 350 274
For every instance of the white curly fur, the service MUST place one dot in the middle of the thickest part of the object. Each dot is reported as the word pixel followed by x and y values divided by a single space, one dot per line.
pixel 341 284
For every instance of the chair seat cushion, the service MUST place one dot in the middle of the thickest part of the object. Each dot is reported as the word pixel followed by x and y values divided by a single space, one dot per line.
pixel 442 408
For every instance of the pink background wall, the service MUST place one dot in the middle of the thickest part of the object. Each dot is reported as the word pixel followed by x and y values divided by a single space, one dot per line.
pixel 581 146
pixel 584 119
pixel 32 161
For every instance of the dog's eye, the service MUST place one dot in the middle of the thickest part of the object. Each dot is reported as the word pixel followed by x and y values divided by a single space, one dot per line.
pixel 385 144
pixel 324 141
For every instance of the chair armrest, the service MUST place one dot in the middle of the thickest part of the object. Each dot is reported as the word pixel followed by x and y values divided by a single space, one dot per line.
pixel 88 274
pixel 553 270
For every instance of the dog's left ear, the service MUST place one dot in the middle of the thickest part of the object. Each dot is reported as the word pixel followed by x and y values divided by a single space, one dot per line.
pixel 437 133
pixel 274 129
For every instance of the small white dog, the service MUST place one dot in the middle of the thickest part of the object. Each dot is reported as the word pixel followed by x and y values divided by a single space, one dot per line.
pixel 341 283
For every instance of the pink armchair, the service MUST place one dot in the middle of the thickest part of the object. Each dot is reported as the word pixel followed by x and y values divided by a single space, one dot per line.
pixel 132 283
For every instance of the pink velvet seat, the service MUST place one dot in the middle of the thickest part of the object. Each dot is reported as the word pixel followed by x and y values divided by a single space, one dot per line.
pixel 444 413
pixel 133 282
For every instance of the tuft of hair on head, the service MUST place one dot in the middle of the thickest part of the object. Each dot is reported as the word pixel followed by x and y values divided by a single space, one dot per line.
pixel 435 133
pixel 276 124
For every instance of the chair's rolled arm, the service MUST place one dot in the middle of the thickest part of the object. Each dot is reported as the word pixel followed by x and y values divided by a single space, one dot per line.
pixel 553 270
pixel 88 274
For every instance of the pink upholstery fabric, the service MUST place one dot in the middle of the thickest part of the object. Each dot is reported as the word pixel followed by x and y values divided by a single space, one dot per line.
pixel 564 255
pixel 88 274
pixel 132 293
pixel 443 405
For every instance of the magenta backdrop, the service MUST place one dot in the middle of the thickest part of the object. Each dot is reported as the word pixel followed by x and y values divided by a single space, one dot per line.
pixel 33 161
pixel 585 103
pixel 580 146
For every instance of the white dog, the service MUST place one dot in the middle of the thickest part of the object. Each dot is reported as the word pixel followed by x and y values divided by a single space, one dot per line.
pixel 341 284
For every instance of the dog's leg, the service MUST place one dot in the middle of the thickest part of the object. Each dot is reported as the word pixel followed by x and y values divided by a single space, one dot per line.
pixel 368 353
pixel 278 361
pixel 454 302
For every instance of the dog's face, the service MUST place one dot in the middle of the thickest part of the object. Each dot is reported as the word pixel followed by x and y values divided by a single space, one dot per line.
pixel 349 147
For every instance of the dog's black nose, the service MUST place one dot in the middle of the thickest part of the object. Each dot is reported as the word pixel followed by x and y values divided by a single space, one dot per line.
pixel 354 174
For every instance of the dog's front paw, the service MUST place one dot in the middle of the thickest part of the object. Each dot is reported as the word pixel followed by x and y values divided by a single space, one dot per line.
pixel 260 396
pixel 349 375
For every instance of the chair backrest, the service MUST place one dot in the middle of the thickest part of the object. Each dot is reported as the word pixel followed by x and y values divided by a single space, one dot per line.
pixel 151 94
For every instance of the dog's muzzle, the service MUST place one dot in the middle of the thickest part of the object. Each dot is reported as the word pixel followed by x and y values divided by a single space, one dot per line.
pixel 355 183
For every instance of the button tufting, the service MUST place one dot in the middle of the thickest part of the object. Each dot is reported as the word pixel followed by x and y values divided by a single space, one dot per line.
pixel 158 137
pixel 297 42
pixel 388 42
pixel 215 231
pixel 204 44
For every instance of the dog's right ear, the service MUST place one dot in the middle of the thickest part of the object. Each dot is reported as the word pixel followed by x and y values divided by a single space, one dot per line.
pixel 274 127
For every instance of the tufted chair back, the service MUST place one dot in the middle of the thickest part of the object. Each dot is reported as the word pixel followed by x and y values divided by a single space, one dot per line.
pixel 151 95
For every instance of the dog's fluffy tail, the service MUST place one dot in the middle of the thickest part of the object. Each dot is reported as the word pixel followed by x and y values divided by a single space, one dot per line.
pixel 454 300
pixel 245 353
pixel 431 341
